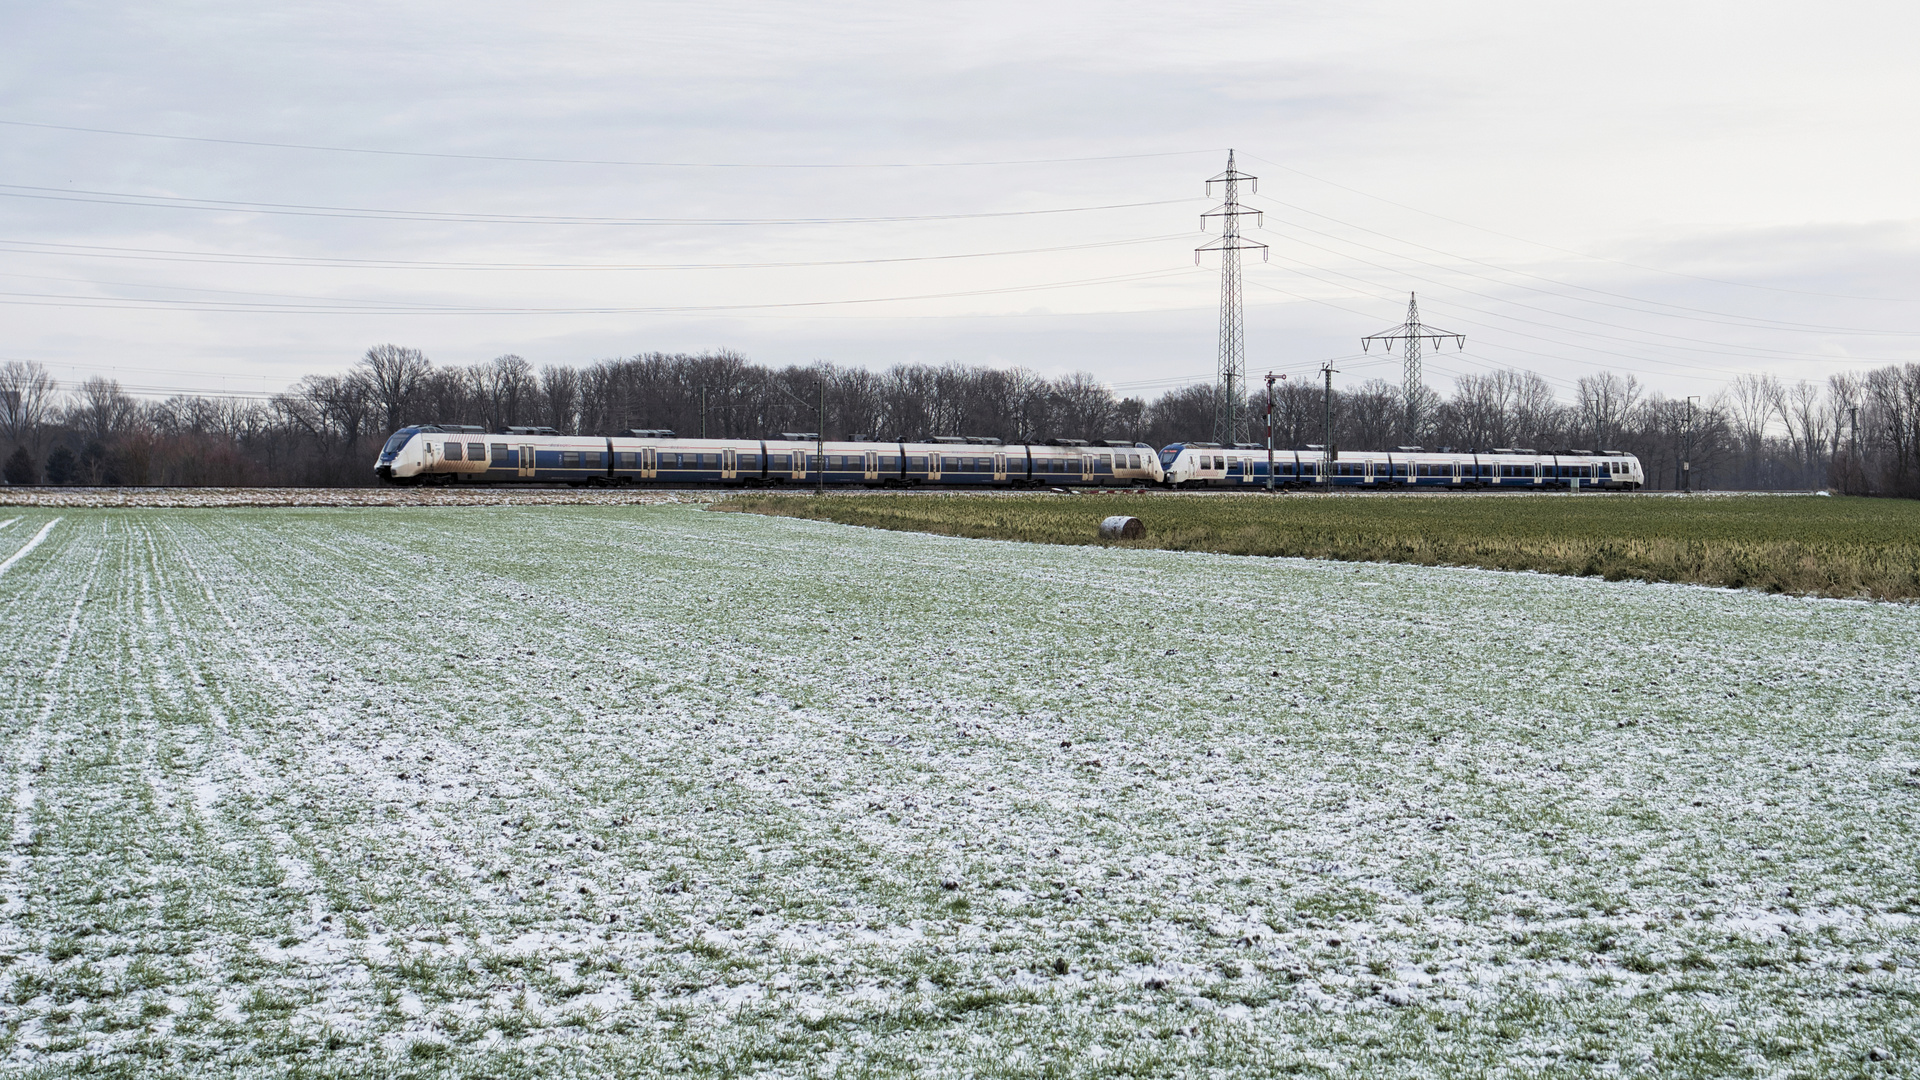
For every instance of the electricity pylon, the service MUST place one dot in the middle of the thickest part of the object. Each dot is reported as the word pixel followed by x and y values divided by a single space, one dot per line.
pixel 1229 419
pixel 1413 333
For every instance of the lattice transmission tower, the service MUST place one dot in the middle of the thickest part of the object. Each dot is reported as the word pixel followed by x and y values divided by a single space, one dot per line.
pixel 1229 412
pixel 1413 333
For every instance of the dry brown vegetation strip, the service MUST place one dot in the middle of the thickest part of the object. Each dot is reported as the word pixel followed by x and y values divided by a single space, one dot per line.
pixel 1808 545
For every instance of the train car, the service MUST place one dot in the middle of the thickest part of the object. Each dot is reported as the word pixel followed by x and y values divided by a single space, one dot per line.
pixel 448 454
pixel 1210 465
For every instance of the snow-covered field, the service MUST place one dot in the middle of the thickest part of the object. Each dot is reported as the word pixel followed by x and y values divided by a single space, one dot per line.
pixel 638 790
pixel 184 497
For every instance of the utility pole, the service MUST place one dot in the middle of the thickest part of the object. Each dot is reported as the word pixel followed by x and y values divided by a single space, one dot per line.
pixel 1413 333
pixel 1327 450
pixel 703 410
pixel 1854 464
pixel 1229 425
pixel 1686 452
pixel 820 444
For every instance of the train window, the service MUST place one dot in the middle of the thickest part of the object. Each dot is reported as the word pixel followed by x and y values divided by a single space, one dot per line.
pixel 889 462
pixel 502 455
pixel 476 451
pixel 948 464
pixel 917 462
pixel 569 459
pixel 1106 462
pixel 451 452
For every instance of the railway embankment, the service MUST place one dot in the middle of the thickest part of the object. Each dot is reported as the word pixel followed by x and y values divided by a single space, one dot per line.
pixel 1811 545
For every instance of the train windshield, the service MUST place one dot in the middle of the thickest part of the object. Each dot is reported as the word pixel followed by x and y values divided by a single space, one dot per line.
pixel 1168 454
pixel 399 440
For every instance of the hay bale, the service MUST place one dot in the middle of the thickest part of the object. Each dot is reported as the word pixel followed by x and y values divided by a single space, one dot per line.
pixel 1122 527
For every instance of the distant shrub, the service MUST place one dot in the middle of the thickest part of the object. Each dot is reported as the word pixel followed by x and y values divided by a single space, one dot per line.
pixel 19 469
pixel 61 466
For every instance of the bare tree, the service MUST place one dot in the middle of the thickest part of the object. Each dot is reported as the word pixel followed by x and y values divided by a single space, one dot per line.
pixel 1085 406
pixel 560 398
pixel 507 386
pixel 102 410
pixel 395 373
pixel 1605 403
pixel 1752 401
pixel 27 397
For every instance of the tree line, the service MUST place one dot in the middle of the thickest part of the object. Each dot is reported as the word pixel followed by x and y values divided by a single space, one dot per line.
pixel 1856 432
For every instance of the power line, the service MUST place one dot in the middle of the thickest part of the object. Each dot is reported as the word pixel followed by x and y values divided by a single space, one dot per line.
pixel 227 206
pixel 1519 333
pixel 395 308
pixel 216 258
pixel 1584 254
pixel 596 161
pixel 1713 347
pixel 1721 318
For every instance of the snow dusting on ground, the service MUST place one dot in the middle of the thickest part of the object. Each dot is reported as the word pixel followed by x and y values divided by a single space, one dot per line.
pixel 635 790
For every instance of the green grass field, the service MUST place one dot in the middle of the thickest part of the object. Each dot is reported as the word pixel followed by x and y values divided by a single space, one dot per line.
pixel 1809 545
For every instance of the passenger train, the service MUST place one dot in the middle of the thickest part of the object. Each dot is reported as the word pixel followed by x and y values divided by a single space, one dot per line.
pixel 447 454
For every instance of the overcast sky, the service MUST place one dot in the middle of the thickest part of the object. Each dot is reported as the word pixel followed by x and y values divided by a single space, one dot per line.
pixel 1681 191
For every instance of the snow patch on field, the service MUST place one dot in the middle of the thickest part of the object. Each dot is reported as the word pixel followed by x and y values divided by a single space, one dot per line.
pixel 636 790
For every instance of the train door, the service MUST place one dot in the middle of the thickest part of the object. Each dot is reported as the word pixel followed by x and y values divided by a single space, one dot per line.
pixel 1368 478
pixel 1536 472
pixel 799 464
pixel 727 463
pixel 648 464
pixel 873 465
pixel 526 462
pixel 1086 468
pixel 999 468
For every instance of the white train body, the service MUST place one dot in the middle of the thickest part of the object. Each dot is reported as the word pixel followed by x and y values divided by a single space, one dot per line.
pixel 1206 465
pixel 448 455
